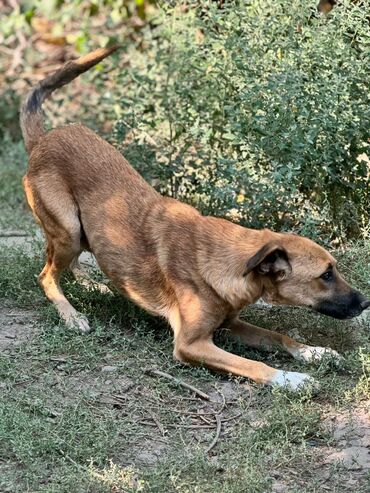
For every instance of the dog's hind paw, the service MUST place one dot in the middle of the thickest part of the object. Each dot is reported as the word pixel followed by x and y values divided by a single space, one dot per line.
pixel 292 380
pixel 78 322
pixel 92 285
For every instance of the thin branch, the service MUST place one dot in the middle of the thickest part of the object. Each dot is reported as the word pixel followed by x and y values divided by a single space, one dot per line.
pixel 159 373
pixel 158 423
pixel 236 416
pixel 217 436
pixel 204 419
pixel 190 427
pixel 79 466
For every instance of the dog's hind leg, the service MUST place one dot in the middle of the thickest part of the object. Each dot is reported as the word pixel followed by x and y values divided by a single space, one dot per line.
pixel 58 216
pixel 83 278
pixel 59 258
pixel 30 198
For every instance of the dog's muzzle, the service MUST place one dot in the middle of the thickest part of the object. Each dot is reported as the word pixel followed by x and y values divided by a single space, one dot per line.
pixel 343 306
pixel 365 304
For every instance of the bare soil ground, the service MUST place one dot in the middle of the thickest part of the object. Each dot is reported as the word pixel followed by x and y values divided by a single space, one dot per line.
pixel 15 326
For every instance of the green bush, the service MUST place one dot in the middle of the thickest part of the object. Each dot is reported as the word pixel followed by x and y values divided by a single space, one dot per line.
pixel 257 111
pixel 9 104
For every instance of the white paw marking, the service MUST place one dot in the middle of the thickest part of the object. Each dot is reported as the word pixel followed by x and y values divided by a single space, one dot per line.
pixel 292 380
pixel 311 354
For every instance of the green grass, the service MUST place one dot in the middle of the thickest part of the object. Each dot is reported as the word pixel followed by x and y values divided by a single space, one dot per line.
pixel 13 162
pixel 66 425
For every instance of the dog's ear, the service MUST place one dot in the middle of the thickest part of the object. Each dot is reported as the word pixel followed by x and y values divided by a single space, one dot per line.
pixel 271 259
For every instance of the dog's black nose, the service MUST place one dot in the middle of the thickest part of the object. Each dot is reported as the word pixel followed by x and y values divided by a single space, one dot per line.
pixel 365 304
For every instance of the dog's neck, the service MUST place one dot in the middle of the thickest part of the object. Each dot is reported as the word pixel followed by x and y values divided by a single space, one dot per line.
pixel 223 249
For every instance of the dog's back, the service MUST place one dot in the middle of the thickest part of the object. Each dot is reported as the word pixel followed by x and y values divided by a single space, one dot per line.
pixel 94 172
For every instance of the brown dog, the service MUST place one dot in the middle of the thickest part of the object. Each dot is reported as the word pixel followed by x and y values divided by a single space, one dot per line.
pixel 197 272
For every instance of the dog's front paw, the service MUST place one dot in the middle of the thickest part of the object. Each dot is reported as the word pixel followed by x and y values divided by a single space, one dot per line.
pixel 293 380
pixel 314 354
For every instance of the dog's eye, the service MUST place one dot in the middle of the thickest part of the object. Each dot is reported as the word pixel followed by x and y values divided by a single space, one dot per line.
pixel 327 276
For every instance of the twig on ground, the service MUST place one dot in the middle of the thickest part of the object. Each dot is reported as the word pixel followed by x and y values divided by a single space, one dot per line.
pixel 217 436
pixel 158 423
pixel 159 373
pixel 203 418
pixel 236 416
pixel 23 382
pixel 190 427
pixel 193 399
pixel 223 399
pixel 190 413
pixel 79 466
pixel 120 397
pixel 58 359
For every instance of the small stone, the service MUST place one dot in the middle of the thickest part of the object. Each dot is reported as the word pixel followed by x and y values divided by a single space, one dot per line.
pixel 278 487
pixel 109 368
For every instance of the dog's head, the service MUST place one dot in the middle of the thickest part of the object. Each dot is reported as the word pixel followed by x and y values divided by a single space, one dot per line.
pixel 296 271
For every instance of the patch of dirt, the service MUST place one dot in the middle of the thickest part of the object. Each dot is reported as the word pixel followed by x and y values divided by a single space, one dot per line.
pixel 103 388
pixel 24 239
pixel 15 326
pixel 227 391
pixel 20 238
pixel 351 432
pixel 344 465
pixel 149 451
pixel 279 487
pixel 108 389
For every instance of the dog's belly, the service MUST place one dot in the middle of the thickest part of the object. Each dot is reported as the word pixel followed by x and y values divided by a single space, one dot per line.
pixel 154 302
pixel 135 273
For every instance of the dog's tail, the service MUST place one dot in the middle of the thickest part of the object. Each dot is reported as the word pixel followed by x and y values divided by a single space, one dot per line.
pixel 31 118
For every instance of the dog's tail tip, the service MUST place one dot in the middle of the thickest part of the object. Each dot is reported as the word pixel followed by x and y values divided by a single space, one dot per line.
pixel 96 56
pixel 31 120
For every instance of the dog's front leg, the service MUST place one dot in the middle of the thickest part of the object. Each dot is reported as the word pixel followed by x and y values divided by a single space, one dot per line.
pixel 259 338
pixel 194 346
